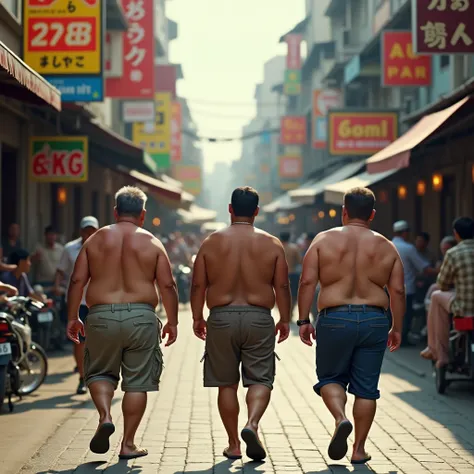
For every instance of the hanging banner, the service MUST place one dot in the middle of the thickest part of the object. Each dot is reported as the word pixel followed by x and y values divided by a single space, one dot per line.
pixel 190 176
pixel 400 66
pixel 138 79
pixel 138 111
pixel 155 138
pixel 354 132
pixel 290 167
pixel 323 100
pixel 63 37
pixel 292 84
pixel 176 137
pixel 293 56
pixel 293 130
pixel 58 159
pixel 443 26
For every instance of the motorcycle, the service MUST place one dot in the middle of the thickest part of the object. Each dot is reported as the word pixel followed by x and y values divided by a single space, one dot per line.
pixel 8 371
pixel 28 366
pixel 42 321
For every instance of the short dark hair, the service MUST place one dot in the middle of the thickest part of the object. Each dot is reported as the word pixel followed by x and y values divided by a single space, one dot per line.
pixel 17 255
pixel 285 236
pixel 425 236
pixel 50 230
pixel 464 226
pixel 359 203
pixel 244 201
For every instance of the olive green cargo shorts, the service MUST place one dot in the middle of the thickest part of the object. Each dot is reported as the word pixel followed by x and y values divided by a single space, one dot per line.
pixel 240 334
pixel 124 338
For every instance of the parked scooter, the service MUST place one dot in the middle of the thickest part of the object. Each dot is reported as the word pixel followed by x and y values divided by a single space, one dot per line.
pixel 42 321
pixel 9 373
pixel 29 363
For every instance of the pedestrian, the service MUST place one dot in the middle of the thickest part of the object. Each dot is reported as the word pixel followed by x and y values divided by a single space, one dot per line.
pixel 353 265
pixel 89 225
pixel 414 265
pixel 120 265
pixel 11 241
pixel 294 259
pixel 240 271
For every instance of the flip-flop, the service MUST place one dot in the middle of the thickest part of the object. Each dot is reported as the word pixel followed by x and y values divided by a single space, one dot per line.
pixel 362 461
pixel 232 457
pixel 255 449
pixel 100 442
pixel 140 454
pixel 338 445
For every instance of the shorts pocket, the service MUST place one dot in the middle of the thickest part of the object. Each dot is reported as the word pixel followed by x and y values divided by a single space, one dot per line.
pixel 379 325
pixel 218 324
pixel 157 365
pixel 143 323
pixel 263 323
pixel 332 325
pixel 87 362
pixel 97 325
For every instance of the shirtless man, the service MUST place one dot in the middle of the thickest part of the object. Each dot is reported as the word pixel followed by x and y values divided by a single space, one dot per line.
pixel 353 266
pixel 122 264
pixel 293 257
pixel 240 272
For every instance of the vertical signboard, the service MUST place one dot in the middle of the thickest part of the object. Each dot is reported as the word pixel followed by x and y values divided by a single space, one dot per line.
pixel 323 100
pixel 190 176
pixel 176 124
pixel 292 84
pixel 63 41
pixel 155 138
pixel 400 66
pixel 293 130
pixel 290 167
pixel 443 26
pixel 138 79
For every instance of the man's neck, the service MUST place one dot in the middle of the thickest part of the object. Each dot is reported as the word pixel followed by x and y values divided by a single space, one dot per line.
pixel 17 273
pixel 128 220
pixel 242 220
pixel 357 223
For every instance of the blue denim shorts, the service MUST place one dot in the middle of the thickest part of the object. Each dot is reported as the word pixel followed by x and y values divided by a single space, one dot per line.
pixel 350 345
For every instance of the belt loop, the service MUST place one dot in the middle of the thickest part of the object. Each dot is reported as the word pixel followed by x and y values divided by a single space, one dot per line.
pixel 350 308
pixel 129 307
pixel 112 308
pixel 364 308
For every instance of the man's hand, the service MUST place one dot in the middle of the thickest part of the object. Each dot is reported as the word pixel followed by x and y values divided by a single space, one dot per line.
pixel 171 332
pixel 57 291
pixel 394 340
pixel 74 328
pixel 11 290
pixel 200 329
pixel 307 332
pixel 283 329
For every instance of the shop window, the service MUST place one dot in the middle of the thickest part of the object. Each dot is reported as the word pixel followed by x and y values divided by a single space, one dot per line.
pixel 444 61
pixel 448 205
pixel 9 183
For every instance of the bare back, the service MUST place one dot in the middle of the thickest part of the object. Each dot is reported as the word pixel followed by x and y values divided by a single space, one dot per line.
pixel 240 266
pixel 122 262
pixel 355 265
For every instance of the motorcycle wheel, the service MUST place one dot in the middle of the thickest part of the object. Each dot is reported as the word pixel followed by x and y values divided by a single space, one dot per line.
pixel 33 371
pixel 3 384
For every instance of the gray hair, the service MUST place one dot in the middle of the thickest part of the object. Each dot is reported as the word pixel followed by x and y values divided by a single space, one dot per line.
pixel 130 201
pixel 449 240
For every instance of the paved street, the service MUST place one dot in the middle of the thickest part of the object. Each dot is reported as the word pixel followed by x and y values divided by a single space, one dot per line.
pixel 416 430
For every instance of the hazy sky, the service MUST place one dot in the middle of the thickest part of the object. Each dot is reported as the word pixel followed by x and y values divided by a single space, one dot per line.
pixel 222 46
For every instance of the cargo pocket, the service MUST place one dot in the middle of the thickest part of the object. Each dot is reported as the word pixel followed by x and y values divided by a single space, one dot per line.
pixel 157 365
pixel 87 362
pixel 275 358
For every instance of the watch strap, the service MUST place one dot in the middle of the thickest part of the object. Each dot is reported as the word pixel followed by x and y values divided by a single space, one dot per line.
pixel 303 322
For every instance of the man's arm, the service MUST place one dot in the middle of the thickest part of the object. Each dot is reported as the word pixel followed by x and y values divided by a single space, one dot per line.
pixel 446 274
pixel 308 281
pixel 199 285
pixel 79 279
pixel 281 285
pixel 167 285
pixel 61 271
pixel 8 289
pixel 396 290
pixel 421 265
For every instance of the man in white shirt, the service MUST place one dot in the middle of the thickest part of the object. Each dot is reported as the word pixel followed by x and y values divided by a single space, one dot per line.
pixel 89 225
pixel 47 258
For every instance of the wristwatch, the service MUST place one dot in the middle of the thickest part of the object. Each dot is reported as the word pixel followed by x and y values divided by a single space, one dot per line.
pixel 303 322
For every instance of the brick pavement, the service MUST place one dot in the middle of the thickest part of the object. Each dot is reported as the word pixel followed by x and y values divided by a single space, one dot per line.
pixel 416 430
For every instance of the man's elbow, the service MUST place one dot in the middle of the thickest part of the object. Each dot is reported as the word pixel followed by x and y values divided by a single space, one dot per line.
pixel 396 291
pixel 307 283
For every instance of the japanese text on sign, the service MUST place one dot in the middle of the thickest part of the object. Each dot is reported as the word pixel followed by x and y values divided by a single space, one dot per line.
pixel 443 26
pixel 63 36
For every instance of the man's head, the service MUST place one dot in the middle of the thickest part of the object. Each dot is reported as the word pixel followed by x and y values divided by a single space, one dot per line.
pixel 447 243
pixel 310 236
pixel 285 237
pixel 401 229
pixel 130 205
pixel 463 229
pixel 14 231
pixel 50 235
pixel 359 205
pixel 422 241
pixel 244 204
pixel 89 226
pixel 20 258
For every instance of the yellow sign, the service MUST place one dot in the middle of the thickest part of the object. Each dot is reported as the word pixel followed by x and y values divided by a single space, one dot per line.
pixel 157 138
pixel 62 37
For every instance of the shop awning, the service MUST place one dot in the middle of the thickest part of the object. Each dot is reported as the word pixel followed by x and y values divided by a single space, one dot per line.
pixel 397 154
pixel 197 215
pixel 19 81
pixel 282 203
pixel 298 29
pixel 156 186
pixel 333 193
pixel 306 194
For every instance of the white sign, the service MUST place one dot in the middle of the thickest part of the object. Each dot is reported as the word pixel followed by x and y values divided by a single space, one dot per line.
pixel 139 111
pixel 113 52
pixel 329 99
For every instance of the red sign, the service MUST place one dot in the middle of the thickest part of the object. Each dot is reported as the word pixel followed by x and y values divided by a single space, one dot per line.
pixel 165 78
pixel 293 130
pixel 401 67
pixel 138 79
pixel 361 133
pixel 291 167
pixel 443 26
pixel 293 57
pixel 176 123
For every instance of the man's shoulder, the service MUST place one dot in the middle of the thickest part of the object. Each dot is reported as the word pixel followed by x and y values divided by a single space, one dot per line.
pixel 73 244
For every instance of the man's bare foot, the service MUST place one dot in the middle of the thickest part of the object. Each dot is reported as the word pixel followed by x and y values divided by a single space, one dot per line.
pixel 427 354
pixel 132 452
pixel 360 457
pixel 233 452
